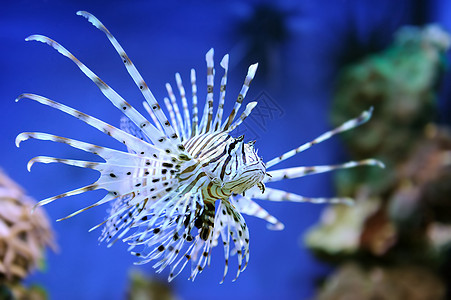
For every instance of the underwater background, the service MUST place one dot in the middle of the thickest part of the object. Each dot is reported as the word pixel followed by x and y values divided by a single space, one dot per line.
pixel 301 47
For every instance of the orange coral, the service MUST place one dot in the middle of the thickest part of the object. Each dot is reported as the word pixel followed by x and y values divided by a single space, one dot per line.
pixel 403 282
pixel 23 235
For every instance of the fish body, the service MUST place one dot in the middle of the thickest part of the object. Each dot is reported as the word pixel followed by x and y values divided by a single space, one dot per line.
pixel 184 182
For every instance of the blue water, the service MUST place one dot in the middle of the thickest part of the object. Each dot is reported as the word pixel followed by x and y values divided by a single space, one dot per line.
pixel 161 39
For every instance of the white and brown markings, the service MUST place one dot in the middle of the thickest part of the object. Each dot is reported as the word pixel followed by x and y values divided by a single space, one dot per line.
pixel 183 183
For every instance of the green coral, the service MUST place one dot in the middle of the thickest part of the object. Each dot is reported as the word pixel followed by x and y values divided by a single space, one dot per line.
pixel 400 83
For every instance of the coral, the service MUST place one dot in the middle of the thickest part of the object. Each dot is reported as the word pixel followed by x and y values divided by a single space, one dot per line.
pixel 340 228
pixel 345 230
pixel 401 224
pixel 439 236
pixel 23 235
pixel 17 291
pixel 400 83
pixel 144 288
pixel 403 282
pixel 421 190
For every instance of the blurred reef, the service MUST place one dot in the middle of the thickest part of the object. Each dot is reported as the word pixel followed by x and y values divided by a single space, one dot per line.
pixel 143 287
pixel 394 243
pixel 23 239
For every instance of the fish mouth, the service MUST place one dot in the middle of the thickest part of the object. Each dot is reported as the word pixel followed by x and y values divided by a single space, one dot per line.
pixel 245 180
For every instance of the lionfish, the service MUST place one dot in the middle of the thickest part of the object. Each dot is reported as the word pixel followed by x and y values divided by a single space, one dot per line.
pixel 184 183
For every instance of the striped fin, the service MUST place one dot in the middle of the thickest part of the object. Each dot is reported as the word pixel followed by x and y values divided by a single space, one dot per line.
pixel 364 117
pixel 168 236
pixel 143 201
pixel 179 122
pixel 230 224
pixel 152 115
pixel 170 109
pixel 109 197
pixel 112 187
pixel 136 76
pixel 247 81
pixel 205 123
pixel 201 252
pixel 195 126
pixel 175 270
pixel 154 134
pixel 249 107
pixel 185 237
pixel 169 259
pixel 81 190
pixel 121 218
pixel 71 162
pixel 271 194
pixel 128 126
pixel 162 207
pixel 115 172
pixel 245 205
pixel 238 232
pixel 133 209
pixel 130 141
pixel 187 120
pixel 137 193
pixel 110 155
pixel 166 242
pixel 119 179
pixel 297 172
pixel 218 119
pixel 225 236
